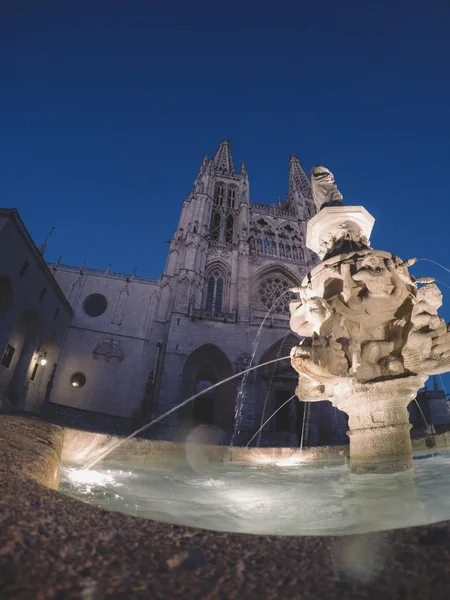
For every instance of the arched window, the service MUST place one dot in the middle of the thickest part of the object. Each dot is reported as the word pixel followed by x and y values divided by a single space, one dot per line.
pixel 229 231
pixel 215 228
pixel 288 251
pixel 266 246
pixel 294 252
pixel 282 252
pixel 231 197
pixel 273 248
pixel 220 193
pixel 214 293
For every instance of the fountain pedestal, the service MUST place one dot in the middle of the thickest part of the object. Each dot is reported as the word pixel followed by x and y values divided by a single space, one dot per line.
pixel 372 336
pixel 379 427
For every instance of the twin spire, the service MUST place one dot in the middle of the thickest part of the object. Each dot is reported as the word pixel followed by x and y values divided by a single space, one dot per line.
pixel 222 163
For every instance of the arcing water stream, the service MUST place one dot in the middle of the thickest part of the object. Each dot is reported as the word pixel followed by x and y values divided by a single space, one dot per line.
pixel 118 443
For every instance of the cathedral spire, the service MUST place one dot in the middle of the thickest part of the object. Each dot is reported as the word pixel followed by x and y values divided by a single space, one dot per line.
pixel 298 179
pixel 222 159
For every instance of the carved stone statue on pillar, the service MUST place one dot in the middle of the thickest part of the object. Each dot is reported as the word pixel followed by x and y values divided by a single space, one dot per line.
pixel 372 336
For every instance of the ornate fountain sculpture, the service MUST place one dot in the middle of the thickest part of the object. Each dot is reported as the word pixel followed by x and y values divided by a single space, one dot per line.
pixel 372 335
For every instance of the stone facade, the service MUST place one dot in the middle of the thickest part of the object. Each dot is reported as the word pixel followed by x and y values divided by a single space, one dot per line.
pixel 136 347
pixel 34 315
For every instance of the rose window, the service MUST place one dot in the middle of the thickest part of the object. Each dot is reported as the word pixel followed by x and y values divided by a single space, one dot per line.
pixel 272 292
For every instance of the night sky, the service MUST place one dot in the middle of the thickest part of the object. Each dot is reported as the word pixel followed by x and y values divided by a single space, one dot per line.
pixel 108 108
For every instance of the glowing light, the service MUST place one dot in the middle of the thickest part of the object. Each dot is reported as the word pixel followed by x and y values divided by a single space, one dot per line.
pixel 43 361
pixel 75 384
pixel 89 477
pixel 290 461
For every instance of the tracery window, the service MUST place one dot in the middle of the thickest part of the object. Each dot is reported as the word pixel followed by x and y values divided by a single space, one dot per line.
pixel 273 294
pixel 231 197
pixel 215 230
pixel 214 293
pixel 220 193
pixel 229 230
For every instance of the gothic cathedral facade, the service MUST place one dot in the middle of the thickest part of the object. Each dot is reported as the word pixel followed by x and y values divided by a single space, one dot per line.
pixel 136 347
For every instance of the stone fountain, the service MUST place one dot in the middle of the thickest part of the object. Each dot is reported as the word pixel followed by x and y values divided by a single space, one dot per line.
pixel 372 335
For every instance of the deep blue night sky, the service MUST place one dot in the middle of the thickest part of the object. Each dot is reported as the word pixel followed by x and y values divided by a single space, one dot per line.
pixel 108 108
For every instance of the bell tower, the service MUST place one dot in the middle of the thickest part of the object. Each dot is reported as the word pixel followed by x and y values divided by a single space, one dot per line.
pixel 202 266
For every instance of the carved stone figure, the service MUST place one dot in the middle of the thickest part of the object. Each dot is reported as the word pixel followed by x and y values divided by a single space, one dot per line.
pixel 371 334
pixel 324 190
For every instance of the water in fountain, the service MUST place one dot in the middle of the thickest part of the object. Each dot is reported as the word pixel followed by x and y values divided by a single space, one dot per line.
pixel 307 498
pixel 241 391
pixel 118 443
pixel 267 420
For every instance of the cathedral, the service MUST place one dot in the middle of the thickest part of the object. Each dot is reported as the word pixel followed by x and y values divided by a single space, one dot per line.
pixel 111 351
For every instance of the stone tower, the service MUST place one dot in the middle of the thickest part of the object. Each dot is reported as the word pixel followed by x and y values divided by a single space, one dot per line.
pixel 229 261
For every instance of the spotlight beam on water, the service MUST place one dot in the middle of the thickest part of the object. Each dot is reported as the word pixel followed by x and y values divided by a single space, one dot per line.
pixel 267 420
pixel 91 463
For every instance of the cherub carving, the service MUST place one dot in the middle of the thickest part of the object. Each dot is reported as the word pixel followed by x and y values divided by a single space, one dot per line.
pixel 428 345
pixel 322 360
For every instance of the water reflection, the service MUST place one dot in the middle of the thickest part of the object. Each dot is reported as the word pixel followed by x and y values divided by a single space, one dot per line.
pixel 305 499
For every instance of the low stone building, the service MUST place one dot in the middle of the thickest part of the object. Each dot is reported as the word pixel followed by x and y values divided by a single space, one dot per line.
pixel 34 315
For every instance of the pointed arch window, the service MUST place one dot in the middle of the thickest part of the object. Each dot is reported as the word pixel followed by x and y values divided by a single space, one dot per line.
pixel 266 246
pixel 229 230
pixel 215 228
pixel 252 244
pixel 273 248
pixel 214 293
pixel 231 197
pixel 220 193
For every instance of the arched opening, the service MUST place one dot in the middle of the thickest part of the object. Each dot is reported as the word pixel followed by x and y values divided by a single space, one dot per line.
pixel 24 340
pixel 276 384
pixel 219 195
pixel 214 293
pixel 41 373
pixel 215 227
pixel 231 197
pixel 229 230
pixel 204 367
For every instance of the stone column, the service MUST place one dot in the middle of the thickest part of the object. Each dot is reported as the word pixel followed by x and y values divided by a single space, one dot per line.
pixel 380 441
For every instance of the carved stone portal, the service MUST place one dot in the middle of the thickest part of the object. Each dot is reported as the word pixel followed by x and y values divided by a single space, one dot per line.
pixel 372 337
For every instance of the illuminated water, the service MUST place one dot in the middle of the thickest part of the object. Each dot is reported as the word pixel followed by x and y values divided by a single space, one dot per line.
pixel 306 499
